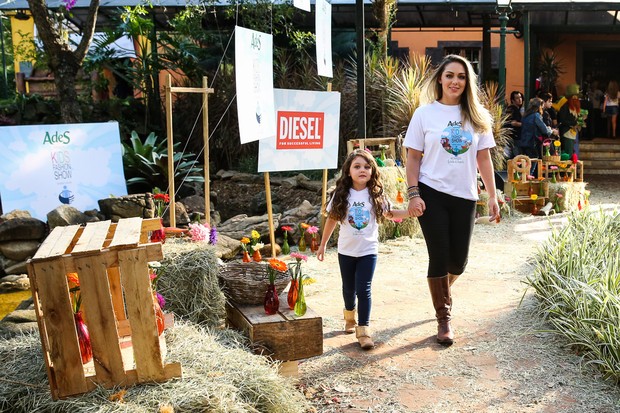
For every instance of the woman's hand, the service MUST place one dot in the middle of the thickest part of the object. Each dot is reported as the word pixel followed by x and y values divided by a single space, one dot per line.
pixel 320 253
pixel 416 206
pixel 493 210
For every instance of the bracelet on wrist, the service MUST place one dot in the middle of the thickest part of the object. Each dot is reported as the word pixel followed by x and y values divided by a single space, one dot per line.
pixel 413 195
pixel 413 187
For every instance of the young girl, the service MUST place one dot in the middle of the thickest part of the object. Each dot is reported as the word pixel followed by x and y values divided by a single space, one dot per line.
pixel 358 204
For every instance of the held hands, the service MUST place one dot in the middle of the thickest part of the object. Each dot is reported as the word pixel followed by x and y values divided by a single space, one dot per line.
pixel 417 207
pixel 320 253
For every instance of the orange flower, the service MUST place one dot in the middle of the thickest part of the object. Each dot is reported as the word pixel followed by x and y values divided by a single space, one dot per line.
pixel 278 265
pixel 73 279
pixel 245 240
pixel 304 225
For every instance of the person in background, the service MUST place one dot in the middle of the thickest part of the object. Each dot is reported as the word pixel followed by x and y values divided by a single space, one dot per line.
pixel 610 107
pixel 533 128
pixel 550 116
pixel 515 113
pixel 569 120
pixel 452 129
pixel 358 204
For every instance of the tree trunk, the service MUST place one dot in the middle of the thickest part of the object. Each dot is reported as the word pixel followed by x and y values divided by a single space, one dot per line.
pixel 65 74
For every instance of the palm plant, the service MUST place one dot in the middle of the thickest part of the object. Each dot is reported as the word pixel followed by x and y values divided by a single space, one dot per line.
pixel 147 164
pixel 550 68
pixel 489 98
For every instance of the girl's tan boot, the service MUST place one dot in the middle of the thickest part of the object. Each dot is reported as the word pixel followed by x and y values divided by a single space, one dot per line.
pixel 349 321
pixel 363 336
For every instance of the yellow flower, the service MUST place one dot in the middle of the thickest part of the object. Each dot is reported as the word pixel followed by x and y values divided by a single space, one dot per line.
pixel 563 165
pixel 533 197
pixel 255 234
pixel 399 179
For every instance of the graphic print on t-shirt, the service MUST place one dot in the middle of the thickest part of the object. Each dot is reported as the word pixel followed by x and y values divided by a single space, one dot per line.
pixel 455 140
pixel 359 215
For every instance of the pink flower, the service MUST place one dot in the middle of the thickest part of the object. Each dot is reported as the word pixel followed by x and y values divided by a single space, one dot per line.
pixel 398 221
pixel 553 167
pixel 312 230
pixel 530 177
pixel 299 256
pixel 199 232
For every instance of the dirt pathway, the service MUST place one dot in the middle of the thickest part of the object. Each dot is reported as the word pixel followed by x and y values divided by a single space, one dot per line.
pixel 500 362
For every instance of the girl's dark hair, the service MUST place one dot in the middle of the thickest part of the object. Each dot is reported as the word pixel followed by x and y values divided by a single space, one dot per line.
pixel 340 196
pixel 534 106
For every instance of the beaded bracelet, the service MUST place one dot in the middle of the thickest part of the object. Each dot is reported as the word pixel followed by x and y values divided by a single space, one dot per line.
pixel 413 195
pixel 413 187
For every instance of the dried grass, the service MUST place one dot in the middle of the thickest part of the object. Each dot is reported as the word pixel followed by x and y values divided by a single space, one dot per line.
pixel 188 279
pixel 219 375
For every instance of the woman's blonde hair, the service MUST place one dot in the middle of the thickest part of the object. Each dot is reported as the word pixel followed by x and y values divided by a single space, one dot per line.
pixel 472 110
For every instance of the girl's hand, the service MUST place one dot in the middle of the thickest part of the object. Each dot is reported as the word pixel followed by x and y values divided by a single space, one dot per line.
pixel 320 253
pixel 416 207
pixel 493 210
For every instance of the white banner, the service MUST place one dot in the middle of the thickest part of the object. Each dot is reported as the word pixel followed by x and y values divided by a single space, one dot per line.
pixel 45 166
pixel 323 26
pixel 254 78
pixel 307 132
pixel 302 4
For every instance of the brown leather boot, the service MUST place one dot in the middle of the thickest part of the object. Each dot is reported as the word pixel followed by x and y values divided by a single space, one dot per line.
pixel 453 278
pixel 442 301
pixel 363 336
pixel 349 321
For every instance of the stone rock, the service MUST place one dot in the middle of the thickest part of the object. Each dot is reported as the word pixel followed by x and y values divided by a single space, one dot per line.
pixel 18 250
pixel 10 283
pixel 65 215
pixel 128 206
pixel 247 178
pixel 5 263
pixel 194 203
pixel 21 316
pixel 18 268
pixel 16 213
pixel 241 225
pixel 304 182
pixel 289 183
pixel 181 217
pixel 22 229
pixel 223 174
pixel 227 248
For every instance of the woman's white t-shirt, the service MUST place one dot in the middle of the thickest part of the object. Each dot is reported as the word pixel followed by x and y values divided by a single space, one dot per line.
pixel 450 148
pixel 359 232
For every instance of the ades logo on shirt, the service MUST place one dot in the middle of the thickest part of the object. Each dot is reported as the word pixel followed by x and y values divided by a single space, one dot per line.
pixel 359 217
pixel 455 140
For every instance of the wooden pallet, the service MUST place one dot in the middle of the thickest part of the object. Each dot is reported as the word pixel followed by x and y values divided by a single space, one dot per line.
pixel 373 145
pixel 111 261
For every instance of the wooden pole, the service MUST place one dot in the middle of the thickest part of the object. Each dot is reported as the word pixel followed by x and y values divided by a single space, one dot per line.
pixel 169 132
pixel 272 236
pixel 324 187
pixel 205 134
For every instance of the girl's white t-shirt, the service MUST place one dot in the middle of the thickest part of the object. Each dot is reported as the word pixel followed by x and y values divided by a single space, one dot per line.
pixel 450 148
pixel 359 232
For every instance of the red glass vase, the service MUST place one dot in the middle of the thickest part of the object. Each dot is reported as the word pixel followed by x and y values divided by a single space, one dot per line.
pixel 86 350
pixel 272 302
pixel 314 244
pixel 292 294
pixel 159 315
pixel 256 256
pixel 246 256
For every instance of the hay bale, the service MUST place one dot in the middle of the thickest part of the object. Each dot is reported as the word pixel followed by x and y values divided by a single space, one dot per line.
pixel 572 194
pixel 219 375
pixel 188 280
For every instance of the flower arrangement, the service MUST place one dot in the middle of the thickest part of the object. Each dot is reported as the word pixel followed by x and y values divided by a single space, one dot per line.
pixel 302 240
pixel 547 147
pixel 397 222
pixel 296 298
pixel 399 195
pixel 159 302
pixel 554 170
pixel 256 246
pixel 160 199
pixel 286 249
pixel 534 198
pixel 556 146
pixel 314 244
pixel 275 266
pixel 383 148
pixel 83 335
pixel 556 204
pixel 271 303
pixel 244 247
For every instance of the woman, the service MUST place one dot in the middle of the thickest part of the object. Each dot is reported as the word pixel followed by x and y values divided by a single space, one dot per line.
pixel 610 107
pixel 532 128
pixel 453 131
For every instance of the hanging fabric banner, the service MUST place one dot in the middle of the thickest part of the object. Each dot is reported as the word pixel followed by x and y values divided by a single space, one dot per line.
pixel 323 27
pixel 254 79
pixel 307 132
pixel 302 4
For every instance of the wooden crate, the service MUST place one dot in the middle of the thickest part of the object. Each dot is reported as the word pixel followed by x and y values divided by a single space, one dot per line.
pixel 117 302
pixel 524 188
pixel 576 173
pixel 282 336
pixel 373 145
pixel 511 169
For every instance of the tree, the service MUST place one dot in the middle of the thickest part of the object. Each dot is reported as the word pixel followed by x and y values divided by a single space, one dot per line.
pixel 64 62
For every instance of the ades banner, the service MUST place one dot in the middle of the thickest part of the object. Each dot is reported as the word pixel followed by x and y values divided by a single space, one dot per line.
pixel 45 166
pixel 307 132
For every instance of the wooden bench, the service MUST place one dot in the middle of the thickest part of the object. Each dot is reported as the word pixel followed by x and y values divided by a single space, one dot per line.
pixel 282 336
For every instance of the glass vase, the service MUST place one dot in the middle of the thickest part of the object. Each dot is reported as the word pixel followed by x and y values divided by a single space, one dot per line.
pixel 314 243
pixel 302 243
pixel 541 189
pixel 286 249
pixel 399 197
pixel 86 350
pixel 256 256
pixel 271 304
pixel 159 315
pixel 293 291
pixel 553 179
pixel 159 235
pixel 396 231
pixel 246 257
pixel 513 194
pixel 300 304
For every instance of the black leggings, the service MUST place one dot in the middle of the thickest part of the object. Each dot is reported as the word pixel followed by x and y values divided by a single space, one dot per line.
pixel 447 225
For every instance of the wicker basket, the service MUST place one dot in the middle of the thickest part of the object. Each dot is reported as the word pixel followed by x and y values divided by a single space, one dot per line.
pixel 551 158
pixel 246 282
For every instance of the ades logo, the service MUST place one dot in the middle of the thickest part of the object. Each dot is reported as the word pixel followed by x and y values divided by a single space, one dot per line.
pixel 57 137
pixel 300 130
